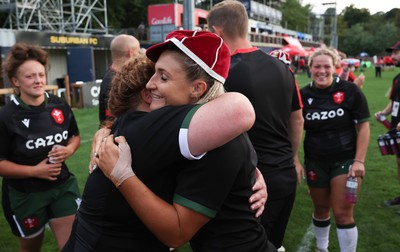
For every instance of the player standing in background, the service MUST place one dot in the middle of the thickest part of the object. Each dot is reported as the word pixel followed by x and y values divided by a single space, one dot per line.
pixel 35 128
pixel 393 108
pixel 273 92
pixel 336 121
pixel 123 47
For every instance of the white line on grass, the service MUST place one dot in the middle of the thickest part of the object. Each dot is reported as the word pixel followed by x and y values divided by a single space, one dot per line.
pixel 305 244
pixel 86 140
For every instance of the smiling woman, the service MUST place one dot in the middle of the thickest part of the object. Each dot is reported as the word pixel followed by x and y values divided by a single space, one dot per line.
pixel 165 186
pixel 335 112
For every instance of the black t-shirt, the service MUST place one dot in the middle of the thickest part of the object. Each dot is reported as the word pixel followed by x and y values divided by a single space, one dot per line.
pixel 271 88
pixel 218 185
pixel 29 132
pixel 105 88
pixel 105 221
pixel 330 116
pixel 395 97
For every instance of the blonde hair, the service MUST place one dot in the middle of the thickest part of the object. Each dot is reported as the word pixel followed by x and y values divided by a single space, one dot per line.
pixel 324 51
pixel 215 90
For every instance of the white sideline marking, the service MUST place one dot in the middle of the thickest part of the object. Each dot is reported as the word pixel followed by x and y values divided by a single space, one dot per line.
pixel 305 244
pixel 388 92
pixel 86 140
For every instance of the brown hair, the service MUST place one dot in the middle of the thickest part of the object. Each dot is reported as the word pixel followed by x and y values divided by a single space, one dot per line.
pixel 20 53
pixel 231 16
pixel 127 84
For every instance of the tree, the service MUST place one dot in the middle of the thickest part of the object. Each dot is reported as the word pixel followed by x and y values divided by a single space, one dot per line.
pixel 354 16
pixel 295 16
pixel 129 13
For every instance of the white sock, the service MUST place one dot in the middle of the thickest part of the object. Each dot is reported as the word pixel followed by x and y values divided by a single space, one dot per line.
pixel 347 237
pixel 321 228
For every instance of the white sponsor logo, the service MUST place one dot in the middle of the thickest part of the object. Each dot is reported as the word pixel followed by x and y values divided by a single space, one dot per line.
pixel 26 122
pixel 46 141
pixel 324 115
pixel 164 20
pixel 310 100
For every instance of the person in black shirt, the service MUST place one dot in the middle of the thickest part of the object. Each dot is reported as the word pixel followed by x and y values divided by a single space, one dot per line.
pixel 336 121
pixel 123 47
pixel 172 167
pixel 38 134
pixel 277 133
pixel 393 108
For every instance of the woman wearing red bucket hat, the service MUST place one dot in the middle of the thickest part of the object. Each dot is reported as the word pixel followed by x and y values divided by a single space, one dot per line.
pixel 205 199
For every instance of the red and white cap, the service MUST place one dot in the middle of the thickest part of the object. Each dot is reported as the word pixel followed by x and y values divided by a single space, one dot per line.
pixel 206 48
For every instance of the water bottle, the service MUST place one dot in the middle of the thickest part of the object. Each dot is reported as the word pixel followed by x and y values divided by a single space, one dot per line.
pixel 393 145
pixel 388 143
pixel 382 146
pixel 351 190
pixel 398 140
pixel 385 121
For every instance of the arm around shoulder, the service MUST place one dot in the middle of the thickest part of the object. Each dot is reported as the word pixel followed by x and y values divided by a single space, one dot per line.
pixel 219 121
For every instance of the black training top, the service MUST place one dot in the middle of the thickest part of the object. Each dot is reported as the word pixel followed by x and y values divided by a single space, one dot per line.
pixel 29 132
pixel 105 88
pixel 218 186
pixel 330 116
pixel 272 89
pixel 395 97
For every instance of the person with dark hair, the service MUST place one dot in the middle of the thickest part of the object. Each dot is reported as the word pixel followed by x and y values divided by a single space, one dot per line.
pixel 277 132
pixel 190 178
pixel 39 133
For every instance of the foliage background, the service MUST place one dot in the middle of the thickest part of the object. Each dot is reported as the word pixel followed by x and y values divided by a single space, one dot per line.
pixel 358 30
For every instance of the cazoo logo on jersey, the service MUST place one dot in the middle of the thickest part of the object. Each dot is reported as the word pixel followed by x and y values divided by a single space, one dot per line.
pixel 46 141
pixel 324 115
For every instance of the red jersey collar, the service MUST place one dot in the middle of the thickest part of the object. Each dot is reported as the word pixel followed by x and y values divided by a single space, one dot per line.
pixel 245 50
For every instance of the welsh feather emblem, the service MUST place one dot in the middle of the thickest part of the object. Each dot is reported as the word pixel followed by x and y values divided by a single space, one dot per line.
pixel 57 116
pixel 311 176
pixel 30 222
pixel 338 97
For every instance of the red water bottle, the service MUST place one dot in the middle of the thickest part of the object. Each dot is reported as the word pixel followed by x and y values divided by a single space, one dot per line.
pixel 388 143
pixel 385 121
pixel 393 145
pixel 398 140
pixel 382 146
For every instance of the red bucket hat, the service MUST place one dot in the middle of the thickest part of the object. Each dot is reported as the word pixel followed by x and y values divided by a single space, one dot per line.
pixel 395 47
pixel 205 48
